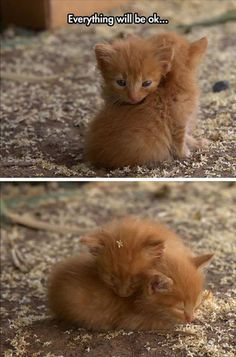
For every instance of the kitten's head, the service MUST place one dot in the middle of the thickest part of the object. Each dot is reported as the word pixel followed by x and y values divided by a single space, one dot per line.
pixel 177 288
pixel 132 68
pixel 125 251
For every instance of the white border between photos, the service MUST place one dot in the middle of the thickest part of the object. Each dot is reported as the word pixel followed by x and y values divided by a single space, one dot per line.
pixel 112 179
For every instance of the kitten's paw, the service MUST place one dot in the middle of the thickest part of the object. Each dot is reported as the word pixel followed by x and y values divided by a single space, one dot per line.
pixel 187 151
pixel 183 153
pixel 202 143
pixel 196 144
pixel 152 165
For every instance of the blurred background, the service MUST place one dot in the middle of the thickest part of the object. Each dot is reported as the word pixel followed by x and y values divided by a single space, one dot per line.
pixel 51 14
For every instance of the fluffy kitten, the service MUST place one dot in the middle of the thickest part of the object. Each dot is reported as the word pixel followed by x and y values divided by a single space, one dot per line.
pixel 125 250
pixel 151 97
pixel 76 294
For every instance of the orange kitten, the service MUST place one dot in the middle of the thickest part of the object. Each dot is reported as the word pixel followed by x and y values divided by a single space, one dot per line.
pixel 173 293
pixel 151 97
pixel 125 251
pixel 182 89
pixel 77 295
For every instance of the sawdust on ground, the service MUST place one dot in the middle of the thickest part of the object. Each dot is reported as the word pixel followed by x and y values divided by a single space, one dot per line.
pixel 44 121
pixel 202 213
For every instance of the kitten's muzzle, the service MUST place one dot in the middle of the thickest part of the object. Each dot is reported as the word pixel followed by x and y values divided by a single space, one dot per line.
pixel 183 316
pixel 189 318
pixel 123 292
pixel 139 101
pixel 134 101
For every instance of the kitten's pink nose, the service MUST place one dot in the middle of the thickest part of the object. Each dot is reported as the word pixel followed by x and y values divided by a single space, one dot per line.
pixel 134 99
pixel 189 318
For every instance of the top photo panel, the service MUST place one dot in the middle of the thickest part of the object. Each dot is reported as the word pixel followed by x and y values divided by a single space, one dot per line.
pixel 118 89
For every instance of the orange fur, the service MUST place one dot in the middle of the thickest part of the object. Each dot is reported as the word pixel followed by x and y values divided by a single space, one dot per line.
pixel 77 295
pixel 146 125
pixel 124 251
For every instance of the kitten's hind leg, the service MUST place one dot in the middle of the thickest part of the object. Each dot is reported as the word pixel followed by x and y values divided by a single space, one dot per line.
pixel 152 165
pixel 196 144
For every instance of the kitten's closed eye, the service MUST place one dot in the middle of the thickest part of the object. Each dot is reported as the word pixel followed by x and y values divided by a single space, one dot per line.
pixel 135 282
pixel 180 306
pixel 112 280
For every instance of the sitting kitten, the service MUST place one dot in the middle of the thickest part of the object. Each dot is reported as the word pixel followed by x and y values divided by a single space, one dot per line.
pixel 151 97
pixel 76 294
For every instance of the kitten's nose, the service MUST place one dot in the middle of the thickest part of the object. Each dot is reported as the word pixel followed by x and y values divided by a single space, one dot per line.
pixel 189 318
pixel 134 99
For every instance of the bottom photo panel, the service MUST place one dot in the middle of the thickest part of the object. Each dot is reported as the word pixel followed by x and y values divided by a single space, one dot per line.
pixel 118 269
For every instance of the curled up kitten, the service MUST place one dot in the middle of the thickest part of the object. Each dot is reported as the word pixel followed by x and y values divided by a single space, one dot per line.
pixel 126 249
pixel 169 292
pixel 151 98
pixel 77 295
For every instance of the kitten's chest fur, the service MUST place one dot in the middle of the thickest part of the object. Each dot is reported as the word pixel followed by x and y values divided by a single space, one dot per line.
pixel 124 134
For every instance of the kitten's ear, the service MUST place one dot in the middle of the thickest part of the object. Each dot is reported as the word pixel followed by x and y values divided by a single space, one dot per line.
pixel 202 261
pixel 103 52
pixel 196 52
pixel 165 57
pixel 154 247
pixel 160 283
pixel 93 243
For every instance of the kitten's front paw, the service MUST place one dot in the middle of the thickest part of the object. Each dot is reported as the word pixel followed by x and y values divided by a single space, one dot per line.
pixel 183 153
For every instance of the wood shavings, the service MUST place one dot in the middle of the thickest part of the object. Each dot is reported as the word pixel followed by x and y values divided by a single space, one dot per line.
pixel 207 295
pixel 26 77
pixel 23 295
pixel 18 260
pixel 53 137
pixel 119 243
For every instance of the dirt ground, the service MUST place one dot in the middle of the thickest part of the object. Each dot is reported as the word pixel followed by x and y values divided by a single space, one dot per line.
pixel 55 91
pixel 203 213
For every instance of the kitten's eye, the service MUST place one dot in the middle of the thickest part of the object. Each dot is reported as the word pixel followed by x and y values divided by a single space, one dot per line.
pixel 180 306
pixel 113 281
pixel 146 83
pixel 121 82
